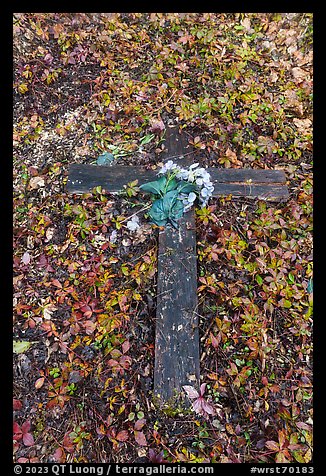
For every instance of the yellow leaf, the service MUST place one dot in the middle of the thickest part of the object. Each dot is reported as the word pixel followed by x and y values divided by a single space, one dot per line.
pixel 20 346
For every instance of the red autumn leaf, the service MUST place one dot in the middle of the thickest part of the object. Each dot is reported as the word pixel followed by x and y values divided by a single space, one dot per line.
pixel 139 424
pixel 113 363
pixel 17 404
pixel 207 407
pixel 140 438
pixel 22 432
pixel 123 435
pixel 56 283
pixel 28 439
pixel 59 455
pixel 156 457
pixel 89 326
pixel 272 445
pixel 122 300
pixel 303 426
pixel 191 391
pixel 125 346
pixel 125 361
pixel 17 431
pixel 68 444
pixel 215 340
pixel 87 313
pixel 26 426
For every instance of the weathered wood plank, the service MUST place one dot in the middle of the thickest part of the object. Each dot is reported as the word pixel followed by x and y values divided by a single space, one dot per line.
pixel 265 192
pixel 83 178
pixel 177 337
pixel 258 176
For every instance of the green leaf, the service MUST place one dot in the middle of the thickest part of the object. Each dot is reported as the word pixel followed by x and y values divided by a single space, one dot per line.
pixel 146 139
pixel 158 213
pixel 105 159
pixel 167 208
pixel 259 279
pixel 171 185
pixel 173 206
pixel 157 187
pixel 310 286
pixel 186 187
pixel 20 346
pixel 291 278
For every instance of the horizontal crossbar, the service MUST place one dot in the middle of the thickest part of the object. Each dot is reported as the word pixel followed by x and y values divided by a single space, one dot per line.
pixel 265 184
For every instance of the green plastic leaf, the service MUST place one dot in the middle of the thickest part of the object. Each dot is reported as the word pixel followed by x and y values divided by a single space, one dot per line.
pixel 157 187
pixel 310 286
pixel 165 209
pixel 105 159
pixel 21 346
pixel 172 185
pixel 158 213
pixel 186 187
pixel 174 207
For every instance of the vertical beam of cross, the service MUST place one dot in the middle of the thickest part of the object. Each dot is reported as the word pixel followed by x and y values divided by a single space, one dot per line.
pixel 177 339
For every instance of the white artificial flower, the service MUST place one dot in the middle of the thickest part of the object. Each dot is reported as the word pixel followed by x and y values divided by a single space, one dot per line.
pixel 192 197
pixel 133 223
pixel 206 176
pixel 113 236
pixel 169 165
pixel 182 174
pixel 191 176
pixel 201 172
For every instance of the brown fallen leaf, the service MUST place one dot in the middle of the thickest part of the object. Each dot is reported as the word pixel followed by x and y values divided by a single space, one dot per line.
pixel 36 182
pixel 26 258
pixel 300 75
pixel 123 435
pixel 293 102
pixel 140 438
pixel 304 125
pixel 39 383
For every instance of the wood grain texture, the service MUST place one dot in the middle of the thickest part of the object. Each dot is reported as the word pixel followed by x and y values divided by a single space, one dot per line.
pixel 177 337
pixel 257 176
pixel 83 178
pixel 266 184
pixel 263 191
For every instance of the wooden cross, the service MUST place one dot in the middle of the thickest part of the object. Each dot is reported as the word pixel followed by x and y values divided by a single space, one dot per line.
pixel 177 336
